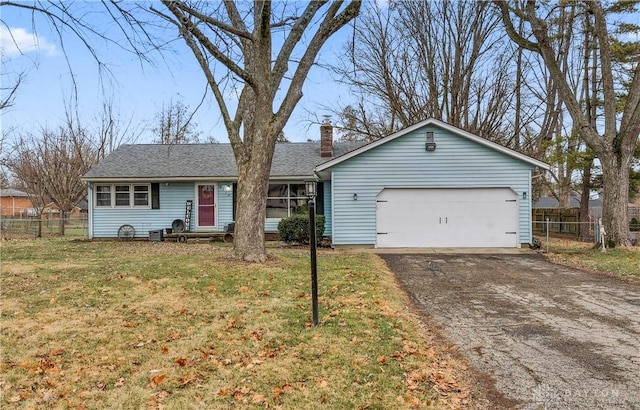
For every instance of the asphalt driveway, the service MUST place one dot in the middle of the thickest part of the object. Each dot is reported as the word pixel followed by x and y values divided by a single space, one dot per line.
pixel 551 337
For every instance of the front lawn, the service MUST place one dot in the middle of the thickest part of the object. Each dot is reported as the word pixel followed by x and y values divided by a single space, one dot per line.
pixel 624 262
pixel 166 325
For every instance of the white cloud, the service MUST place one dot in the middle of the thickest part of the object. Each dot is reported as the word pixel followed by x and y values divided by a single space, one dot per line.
pixel 17 41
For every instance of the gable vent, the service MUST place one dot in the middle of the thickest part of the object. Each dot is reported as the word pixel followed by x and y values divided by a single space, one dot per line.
pixel 430 144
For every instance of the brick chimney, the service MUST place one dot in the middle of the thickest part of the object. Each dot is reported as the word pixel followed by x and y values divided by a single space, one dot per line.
pixel 326 137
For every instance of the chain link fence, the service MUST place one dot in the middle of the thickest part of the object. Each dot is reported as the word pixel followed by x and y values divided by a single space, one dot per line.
pixel 28 228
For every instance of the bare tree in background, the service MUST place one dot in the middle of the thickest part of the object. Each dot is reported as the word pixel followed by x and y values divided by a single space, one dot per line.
pixel 428 59
pixel 111 130
pixel 174 125
pixel 615 138
pixel 49 166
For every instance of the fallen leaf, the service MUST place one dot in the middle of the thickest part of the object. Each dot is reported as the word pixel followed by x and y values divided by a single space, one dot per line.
pixel 156 380
pixel 258 398
pixel 381 359
pixel 184 362
pixel 186 379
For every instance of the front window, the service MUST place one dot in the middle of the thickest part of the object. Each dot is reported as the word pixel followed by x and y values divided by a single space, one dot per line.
pixel 103 195
pixel 123 196
pixel 141 195
pixel 284 200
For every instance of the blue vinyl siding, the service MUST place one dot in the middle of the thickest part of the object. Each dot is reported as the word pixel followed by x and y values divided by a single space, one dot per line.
pixel 104 222
pixel 326 186
pixel 456 163
pixel 225 206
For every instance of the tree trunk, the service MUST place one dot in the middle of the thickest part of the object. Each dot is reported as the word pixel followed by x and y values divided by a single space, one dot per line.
pixel 251 211
pixel 615 177
pixel 61 223
pixel 254 166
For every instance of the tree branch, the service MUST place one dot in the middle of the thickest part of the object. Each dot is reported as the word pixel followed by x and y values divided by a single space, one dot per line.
pixel 191 29
pixel 511 31
pixel 608 90
pixel 329 25
pixel 281 65
pixel 237 28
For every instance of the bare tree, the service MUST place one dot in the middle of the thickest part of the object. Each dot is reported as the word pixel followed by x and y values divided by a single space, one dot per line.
pixel 49 166
pixel 428 59
pixel 235 49
pixel 111 130
pixel 616 136
pixel 174 125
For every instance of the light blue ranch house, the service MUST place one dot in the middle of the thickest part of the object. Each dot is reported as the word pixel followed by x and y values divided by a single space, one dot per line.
pixel 428 185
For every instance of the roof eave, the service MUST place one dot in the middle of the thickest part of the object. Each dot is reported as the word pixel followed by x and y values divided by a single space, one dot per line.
pixel 189 179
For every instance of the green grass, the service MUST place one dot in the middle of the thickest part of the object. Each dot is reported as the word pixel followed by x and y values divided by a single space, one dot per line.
pixel 143 324
pixel 624 262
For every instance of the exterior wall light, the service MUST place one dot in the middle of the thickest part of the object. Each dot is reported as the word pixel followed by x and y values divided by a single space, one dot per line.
pixel 355 197
pixel 430 144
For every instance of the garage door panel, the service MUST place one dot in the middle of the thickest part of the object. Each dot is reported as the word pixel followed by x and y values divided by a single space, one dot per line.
pixel 485 217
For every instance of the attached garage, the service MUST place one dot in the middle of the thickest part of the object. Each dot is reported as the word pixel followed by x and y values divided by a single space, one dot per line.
pixel 457 217
pixel 431 185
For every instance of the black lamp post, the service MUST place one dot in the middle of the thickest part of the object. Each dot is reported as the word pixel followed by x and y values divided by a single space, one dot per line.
pixel 311 194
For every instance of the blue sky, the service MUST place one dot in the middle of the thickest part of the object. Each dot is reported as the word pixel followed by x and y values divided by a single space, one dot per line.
pixel 137 89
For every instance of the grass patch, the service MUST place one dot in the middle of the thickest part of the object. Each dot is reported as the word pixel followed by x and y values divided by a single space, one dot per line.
pixel 149 325
pixel 619 261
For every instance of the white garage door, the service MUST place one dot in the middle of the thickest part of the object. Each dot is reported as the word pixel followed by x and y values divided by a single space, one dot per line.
pixel 442 218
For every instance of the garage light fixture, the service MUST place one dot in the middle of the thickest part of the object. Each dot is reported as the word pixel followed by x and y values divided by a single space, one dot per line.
pixel 524 195
pixel 430 145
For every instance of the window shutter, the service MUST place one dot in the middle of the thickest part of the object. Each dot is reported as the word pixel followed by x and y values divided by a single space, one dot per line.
pixel 155 196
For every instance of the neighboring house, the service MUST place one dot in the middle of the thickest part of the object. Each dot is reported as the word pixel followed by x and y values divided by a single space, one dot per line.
pixel 14 203
pixel 550 202
pixel 79 211
pixel 429 185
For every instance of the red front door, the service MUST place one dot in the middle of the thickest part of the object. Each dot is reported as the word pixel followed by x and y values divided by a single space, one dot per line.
pixel 206 205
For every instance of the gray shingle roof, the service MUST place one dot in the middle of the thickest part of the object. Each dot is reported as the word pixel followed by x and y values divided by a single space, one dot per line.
pixel 207 160
pixel 12 192
pixel 551 202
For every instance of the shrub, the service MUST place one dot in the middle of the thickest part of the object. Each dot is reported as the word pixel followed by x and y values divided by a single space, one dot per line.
pixel 296 228
pixel 634 225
